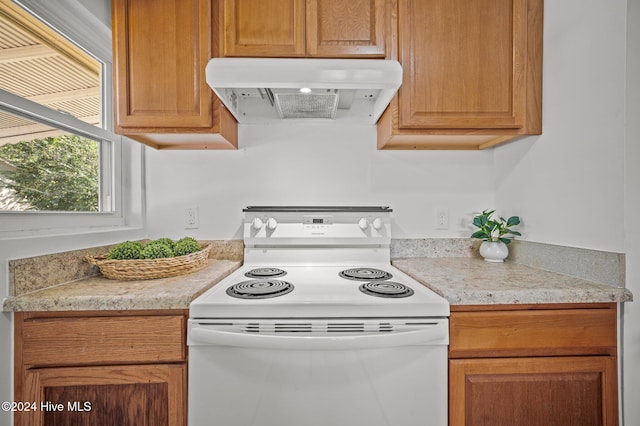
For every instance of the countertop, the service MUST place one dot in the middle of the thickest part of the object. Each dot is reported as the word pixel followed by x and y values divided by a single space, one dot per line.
pixel 99 293
pixel 472 281
pixel 460 280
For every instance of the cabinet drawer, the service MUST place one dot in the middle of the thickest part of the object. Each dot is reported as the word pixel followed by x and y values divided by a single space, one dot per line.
pixel 533 332
pixel 103 340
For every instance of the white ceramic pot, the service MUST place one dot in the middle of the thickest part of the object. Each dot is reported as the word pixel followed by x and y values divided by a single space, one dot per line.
pixel 494 251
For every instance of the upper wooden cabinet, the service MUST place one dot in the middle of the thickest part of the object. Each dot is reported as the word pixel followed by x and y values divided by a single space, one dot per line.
pixel 160 51
pixel 299 28
pixel 472 74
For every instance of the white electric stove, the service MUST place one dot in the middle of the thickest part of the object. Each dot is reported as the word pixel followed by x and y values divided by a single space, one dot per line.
pixel 318 328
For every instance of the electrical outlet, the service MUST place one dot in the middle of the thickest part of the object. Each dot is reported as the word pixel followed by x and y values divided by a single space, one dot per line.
pixel 191 218
pixel 442 218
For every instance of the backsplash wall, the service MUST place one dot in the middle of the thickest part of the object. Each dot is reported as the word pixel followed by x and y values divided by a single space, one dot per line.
pixel 315 165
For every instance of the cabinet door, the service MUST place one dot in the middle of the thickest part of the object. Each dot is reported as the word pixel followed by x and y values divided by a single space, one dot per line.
pixel 262 28
pixel 161 48
pixel 161 96
pixel 555 391
pixel 139 395
pixel 464 63
pixel 344 28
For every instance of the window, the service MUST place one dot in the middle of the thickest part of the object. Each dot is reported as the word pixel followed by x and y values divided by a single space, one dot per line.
pixel 60 163
pixel 44 167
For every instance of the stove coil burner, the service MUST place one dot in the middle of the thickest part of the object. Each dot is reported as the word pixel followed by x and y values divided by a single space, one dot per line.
pixel 386 289
pixel 265 273
pixel 365 274
pixel 260 289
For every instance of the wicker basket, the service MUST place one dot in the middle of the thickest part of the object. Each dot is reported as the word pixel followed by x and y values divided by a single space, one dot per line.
pixel 146 269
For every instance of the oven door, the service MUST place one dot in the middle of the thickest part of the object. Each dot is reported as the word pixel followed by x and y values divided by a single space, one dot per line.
pixel 316 373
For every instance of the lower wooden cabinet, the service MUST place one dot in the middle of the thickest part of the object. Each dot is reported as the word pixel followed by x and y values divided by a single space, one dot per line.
pixel 101 368
pixel 515 365
pixel 107 395
pixel 501 372
pixel 542 391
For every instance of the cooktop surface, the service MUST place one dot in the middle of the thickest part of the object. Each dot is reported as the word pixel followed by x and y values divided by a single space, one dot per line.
pixel 281 291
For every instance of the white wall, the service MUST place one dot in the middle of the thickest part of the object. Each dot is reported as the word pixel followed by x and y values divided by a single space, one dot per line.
pixel 631 348
pixel 314 165
pixel 567 183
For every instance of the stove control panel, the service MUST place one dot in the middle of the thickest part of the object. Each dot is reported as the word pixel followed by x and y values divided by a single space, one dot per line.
pixel 319 228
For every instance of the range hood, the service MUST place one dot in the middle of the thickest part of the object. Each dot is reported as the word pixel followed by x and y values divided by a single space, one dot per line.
pixel 265 90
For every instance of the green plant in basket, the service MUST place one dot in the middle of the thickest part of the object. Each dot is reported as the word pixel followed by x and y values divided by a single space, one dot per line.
pixel 186 245
pixel 168 241
pixel 156 250
pixel 126 250
pixel 494 230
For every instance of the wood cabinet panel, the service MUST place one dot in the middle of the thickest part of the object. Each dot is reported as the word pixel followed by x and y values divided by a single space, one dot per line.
pixel 264 28
pixel 556 391
pixel 463 63
pixel 345 28
pixel 144 403
pixel 534 332
pixel 148 395
pixel 299 28
pixel 160 58
pixel 160 51
pixel 82 341
pixel 472 74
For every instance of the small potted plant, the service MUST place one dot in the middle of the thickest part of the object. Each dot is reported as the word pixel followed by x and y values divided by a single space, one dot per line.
pixel 495 235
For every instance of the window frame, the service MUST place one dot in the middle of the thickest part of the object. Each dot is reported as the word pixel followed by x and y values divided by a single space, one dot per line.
pixel 122 182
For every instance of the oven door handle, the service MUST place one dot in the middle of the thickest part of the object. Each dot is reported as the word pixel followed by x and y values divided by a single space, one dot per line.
pixel 435 334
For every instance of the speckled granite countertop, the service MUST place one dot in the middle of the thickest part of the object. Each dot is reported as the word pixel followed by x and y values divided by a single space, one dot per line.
pixel 460 280
pixel 99 293
pixel 472 281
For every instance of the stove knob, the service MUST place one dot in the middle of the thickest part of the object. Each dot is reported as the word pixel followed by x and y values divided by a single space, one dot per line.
pixel 377 223
pixel 257 223
pixel 363 223
pixel 272 224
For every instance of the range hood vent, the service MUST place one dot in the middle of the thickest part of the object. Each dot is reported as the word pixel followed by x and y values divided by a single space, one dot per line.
pixel 261 90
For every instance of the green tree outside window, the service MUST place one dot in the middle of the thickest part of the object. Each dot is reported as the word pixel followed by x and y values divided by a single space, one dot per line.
pixel 53 174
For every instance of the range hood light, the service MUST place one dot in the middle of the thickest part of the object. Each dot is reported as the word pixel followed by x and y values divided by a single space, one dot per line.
pixel 267 90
